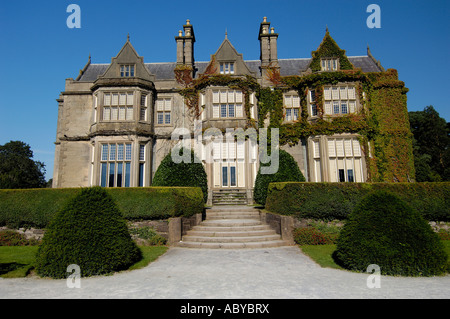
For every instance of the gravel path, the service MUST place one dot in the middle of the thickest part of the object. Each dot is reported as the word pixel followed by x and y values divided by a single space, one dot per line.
pixel 271 273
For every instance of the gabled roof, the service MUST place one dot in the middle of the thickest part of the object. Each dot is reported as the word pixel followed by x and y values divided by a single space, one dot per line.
pixel 164 70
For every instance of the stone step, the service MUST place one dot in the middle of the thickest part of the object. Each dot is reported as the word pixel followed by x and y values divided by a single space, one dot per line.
pixel 242 216
pixel 230 239
pixel 231 222
pixel 259 227
pixel 262 244
pixel 232 213
pixel 229 233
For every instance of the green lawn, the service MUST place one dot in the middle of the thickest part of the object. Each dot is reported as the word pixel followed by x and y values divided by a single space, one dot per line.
pixel 17 261
pixel 321 254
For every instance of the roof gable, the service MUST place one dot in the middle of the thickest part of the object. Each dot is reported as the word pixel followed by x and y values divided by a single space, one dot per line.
pixel 328 48
pixel 127 56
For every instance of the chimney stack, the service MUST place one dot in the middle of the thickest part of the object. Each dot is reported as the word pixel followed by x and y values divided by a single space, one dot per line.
pixel 185 45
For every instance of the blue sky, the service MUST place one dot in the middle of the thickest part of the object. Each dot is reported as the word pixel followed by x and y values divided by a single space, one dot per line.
pixel 39 51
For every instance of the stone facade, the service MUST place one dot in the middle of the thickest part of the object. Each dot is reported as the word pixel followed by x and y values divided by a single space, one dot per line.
pixel 115 120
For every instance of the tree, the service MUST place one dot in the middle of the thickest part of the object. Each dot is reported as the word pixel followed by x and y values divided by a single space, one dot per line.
pixel 190 174
pixel 288 171
pixel 431 145
pixel 18 169
pixel 89 231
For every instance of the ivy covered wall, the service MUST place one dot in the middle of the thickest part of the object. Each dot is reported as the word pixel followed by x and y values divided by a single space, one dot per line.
pixel 382 123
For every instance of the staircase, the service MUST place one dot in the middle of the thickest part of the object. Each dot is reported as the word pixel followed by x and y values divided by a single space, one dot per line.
pixel 231 227
pixel 229 197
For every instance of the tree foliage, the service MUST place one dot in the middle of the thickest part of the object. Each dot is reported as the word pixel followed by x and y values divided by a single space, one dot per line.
pixel 288 171
pixel 191 174
pixel 18 169
pixel 431 145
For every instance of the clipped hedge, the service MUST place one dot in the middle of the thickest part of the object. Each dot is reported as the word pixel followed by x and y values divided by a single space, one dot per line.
pixel 386 231
pixel 329 201
pixel 37 207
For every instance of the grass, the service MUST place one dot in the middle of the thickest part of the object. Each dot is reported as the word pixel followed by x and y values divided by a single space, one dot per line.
pixel 321 254
pixel 18 261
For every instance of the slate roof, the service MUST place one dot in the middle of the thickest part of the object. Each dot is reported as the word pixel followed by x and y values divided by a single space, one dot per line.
pixel 164 70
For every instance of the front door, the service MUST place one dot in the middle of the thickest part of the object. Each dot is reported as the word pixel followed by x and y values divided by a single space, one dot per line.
pixel 229 175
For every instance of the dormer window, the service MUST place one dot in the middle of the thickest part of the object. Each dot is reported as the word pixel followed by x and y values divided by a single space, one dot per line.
pixel 126 70
pixel 329 64
pixel 226 68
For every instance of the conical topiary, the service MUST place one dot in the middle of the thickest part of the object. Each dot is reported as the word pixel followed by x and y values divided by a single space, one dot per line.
pixel 385 231
pixel 183 174
pixel 288 171
pixel 89 232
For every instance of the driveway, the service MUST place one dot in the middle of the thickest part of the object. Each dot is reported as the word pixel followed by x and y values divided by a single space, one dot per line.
pixel 271 273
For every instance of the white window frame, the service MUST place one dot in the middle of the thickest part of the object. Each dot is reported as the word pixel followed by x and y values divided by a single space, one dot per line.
pixel 118 106
pixel 329 64
pixel 227 67
pixel 227 104
pixel 164 107
pixel 339 99
pixel 291 102
pixel 127 70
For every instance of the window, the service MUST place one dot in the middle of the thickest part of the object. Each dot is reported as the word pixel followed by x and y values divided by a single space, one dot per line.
pixel 227 104
pixel 126 70
pixel 292 107
pixel 163 111
pixel 329 64
pixel 226 68
pixel 118 106
pixel 143 108
pixel 345 160
pixel 115 165
pixel 141 164
pixel 312 102
pixel 339 100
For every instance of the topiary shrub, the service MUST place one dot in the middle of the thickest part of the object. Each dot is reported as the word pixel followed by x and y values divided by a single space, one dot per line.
pixel 288 171
pixel 89 232
pixel 385 231
pixel 190 174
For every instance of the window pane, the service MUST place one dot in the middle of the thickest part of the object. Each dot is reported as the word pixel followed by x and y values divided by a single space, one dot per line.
pixel 122 71
pixel 224 176
pixel 114 113
pixel 132 70
pixel 141 174
pixel 112 168
pixel 336 107
pixel 142 152
pixel 223 110
pixel 295 117
pixel 128 152
pixel 103 175
pixel 104 152
pixel 341 175
pixel 127 174
pixel 232 68
pixel 232 176
pixel 119 175
pixel 142 114
pixel 129 113
pixel 288 114
pixel 167 117
pixel 160 118
pixel 344 109
pixel 122 113
pixel 106 113
pixel 231 110
pixel 120 152
pixel 350 175
pixel 112 152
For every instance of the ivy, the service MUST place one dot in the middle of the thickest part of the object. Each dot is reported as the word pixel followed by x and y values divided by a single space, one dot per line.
pixel 382 123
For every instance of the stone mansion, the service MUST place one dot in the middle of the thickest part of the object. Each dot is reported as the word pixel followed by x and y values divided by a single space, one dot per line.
pixel 115 120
